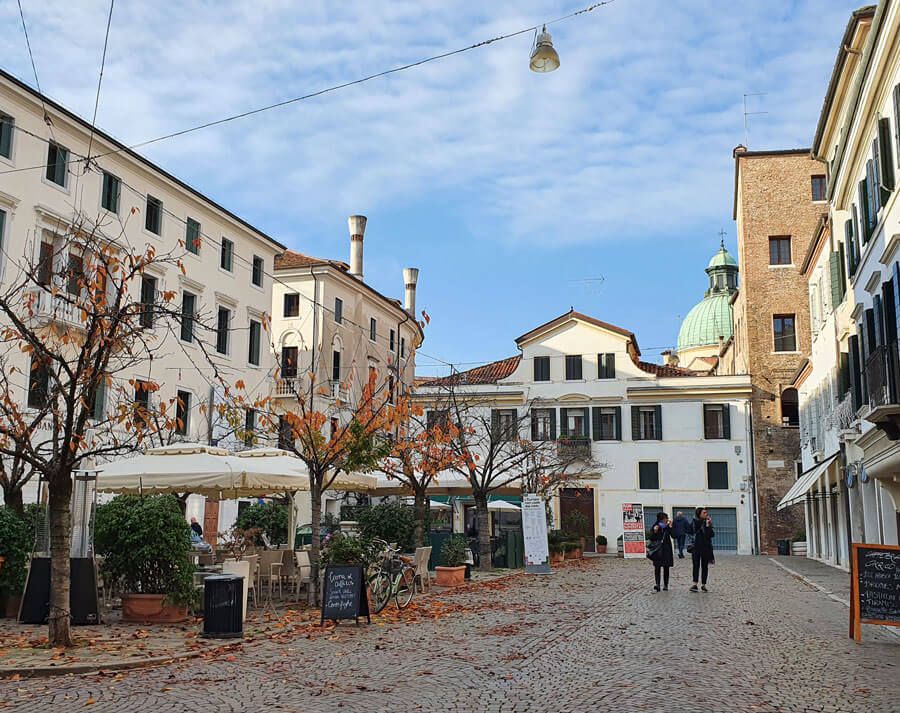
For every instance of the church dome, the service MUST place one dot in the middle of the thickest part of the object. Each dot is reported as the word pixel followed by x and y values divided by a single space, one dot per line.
pixel 711 319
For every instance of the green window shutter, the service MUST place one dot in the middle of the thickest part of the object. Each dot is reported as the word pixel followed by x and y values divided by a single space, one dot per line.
pixel 844 381
pixel 658 423
pixel 887 158
pixel 99 401
pixel 2 227
pixel 842 264
pixel 726 420
pixel 586 422
pixel 834 269
pixel 564 423
pixel 611 366
pixel 595 422
pixel 534 426
pixel 863 212
pixel 254 342
pixel 192 236
pixel 553 424
pixel 495 422
pixel 618 434
pixel 6 129
pixel 635 424
pixel 896 279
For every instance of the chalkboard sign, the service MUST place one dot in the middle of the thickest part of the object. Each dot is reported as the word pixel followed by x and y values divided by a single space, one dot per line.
pixel 874 586
pixel 344 595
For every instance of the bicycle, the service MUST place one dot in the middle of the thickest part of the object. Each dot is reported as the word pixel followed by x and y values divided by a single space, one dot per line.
pixel 394 578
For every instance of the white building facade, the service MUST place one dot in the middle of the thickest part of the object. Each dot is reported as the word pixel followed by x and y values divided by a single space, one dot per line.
pixel 658 435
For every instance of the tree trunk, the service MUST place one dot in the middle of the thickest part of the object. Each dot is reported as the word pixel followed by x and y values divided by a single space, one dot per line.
pixel 12 497
pixel 60 545
pixel 315 496
pixel 483 523
pixel 421 513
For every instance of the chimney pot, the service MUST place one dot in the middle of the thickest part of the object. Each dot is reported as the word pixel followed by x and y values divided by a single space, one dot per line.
pixel 357 225
pixel 410 278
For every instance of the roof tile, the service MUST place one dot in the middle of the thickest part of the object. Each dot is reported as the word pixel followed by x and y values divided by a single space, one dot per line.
pixel 486 374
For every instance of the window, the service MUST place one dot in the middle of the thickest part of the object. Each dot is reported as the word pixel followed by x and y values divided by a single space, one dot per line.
pixel 285 434
pixel 45 264
pixel 289 362
pixel 646 423
pixel 716 421
pixel 336 365
pixel 38 384
pixel 148 299
pixel 780 250
pixel 542 368
pixel 75 274
pixel 109 194
pixel 785 338
pixel 98 408
pixel 2 228
pixel 573 367
pixel 717 475
pixel 648 475
pixel 182 412
pixel 818 187
pixel 439 418
pixel 249 426
pixel 188 311
pixel 223 322
pixel 503 423
pixel 338 310
pixel 257 275
pixel 885 158
pixel 403 347
pixel 573 422
pixel 607 423
pixel 255 335
pixel 373 329
pixel 606 366
pixel 333 427
pixel 543 424
pixel 226 255
pixel 390 389
pixel 141 402
pixel 192 236
pixel 6 134
pixel 153 219
pixel 393 341
pixel 790 408
pixel 291 304
pixel 57 157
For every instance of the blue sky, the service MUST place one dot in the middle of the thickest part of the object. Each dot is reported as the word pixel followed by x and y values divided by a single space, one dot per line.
pixel 508 189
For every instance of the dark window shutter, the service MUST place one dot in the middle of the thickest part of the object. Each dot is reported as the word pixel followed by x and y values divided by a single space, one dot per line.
pixel 842 264
pixel 848 238
pixel 896 279
pixel 563 423
pixel 854 363
pixel 611 365
pixel 888 315
pixel 897 117
pixel 658 423
pixel 726 420
pixel 586 422
pixel 877 322
pixel 534 426
pixel 495 422
pixel 595 422
pixel 618 433
pixel 553 424
pixel 99 405
pixel 834 268
pixel 635 424
pixel 844 380
pixel 863 213
pixel 887 158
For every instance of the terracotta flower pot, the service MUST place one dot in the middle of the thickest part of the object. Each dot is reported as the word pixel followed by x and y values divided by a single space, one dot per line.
pixel 601 549
pixel 152 608
pixel 9 606
pixel 450 576
pixel 557 557
pixel 574 554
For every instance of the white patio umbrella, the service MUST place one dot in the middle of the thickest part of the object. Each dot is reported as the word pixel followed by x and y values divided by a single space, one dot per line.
pixel 446 483
pixel 503 505
pixel 438 505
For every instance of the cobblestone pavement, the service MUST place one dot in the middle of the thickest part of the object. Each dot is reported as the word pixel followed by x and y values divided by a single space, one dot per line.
pixel 590 638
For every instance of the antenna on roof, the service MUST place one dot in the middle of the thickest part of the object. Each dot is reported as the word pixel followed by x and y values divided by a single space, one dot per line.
pixel 722 235
pixel 750 113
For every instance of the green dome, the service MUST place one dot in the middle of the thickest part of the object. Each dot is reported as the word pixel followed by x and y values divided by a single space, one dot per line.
pixel 706 322
pixel 723 257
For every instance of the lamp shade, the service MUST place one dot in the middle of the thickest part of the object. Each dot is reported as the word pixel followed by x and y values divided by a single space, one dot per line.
pixel 544 57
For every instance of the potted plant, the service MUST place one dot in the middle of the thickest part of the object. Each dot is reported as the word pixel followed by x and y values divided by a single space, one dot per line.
pixel 577 526
pixel 145 545
pixel 573 549
pixel 453 557
pixel 601 544
pixel 15 547
pixel 556 544
pixel 798 544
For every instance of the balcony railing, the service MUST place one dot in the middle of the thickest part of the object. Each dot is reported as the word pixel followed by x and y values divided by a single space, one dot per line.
pixel 339 391
pixel 844 414
pixel 57 307
pixel 289 387
pixel 574 448
pixel 882 376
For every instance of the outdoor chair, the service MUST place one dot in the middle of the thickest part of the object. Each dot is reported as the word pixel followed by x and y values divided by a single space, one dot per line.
pixel 254 573
pixel 270 564
pixel 420 562
pixel 302 572
pixel 207 559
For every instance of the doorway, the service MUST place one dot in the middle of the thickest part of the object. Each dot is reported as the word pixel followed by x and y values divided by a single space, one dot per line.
pixel 579 500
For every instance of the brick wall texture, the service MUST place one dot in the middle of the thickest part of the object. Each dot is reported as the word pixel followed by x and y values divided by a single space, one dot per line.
pixel 774 199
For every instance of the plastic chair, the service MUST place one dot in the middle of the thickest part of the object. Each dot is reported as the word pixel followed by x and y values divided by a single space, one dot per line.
pixel 303 571
pixel 254 574
pixel 270 563
pixel 420 562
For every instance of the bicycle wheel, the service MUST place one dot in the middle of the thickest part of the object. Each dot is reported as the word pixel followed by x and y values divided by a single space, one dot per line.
pixel 406 587
pixel 380 591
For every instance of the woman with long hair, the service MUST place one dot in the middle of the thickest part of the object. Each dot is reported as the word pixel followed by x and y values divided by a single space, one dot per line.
pixel 702 549
pixel 660 550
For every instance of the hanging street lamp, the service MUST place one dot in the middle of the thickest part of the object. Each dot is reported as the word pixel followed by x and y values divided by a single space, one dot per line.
pixel 543 56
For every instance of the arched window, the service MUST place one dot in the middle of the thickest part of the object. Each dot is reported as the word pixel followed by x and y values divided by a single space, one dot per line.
pixel 790 408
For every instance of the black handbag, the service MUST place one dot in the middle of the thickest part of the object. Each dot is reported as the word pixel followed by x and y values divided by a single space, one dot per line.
pixel 654 549
pixel 690 548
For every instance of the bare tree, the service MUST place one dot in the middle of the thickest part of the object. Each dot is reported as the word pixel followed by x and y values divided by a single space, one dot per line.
pixel 80 333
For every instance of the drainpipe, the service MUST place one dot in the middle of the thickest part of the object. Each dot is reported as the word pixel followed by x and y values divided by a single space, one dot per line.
pixel 312 365
pixel 754 502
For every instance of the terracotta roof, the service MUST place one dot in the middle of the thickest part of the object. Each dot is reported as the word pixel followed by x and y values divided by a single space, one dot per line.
pixel 487 374
pixel 572 314
pixel 663 369
pixel 291 258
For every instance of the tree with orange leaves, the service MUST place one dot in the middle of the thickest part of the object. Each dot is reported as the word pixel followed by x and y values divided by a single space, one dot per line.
pixel 76 330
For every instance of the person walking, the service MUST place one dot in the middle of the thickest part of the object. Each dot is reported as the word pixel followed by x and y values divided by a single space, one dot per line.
pixel 679 532
pixel 702 553
pixel 660 550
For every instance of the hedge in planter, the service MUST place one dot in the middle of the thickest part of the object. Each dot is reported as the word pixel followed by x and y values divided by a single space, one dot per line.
pixel 16 538
pixel 146 545
pixel 270 518
pixel 389 521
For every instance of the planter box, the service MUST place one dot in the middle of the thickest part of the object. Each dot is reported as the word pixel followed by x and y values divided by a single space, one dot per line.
pixel 151 608
pixel 798 549
pixel 574 554
pixel 601 549
pixel 557 557
pixel 9 606
pixel 450 576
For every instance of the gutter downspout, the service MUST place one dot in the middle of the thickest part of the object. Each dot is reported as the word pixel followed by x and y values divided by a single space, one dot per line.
pixel 754 502
pixel 316 307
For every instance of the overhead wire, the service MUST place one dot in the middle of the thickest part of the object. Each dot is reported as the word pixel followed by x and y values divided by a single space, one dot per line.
pixel 37 81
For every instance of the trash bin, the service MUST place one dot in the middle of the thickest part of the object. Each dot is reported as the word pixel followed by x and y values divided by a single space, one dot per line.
pixel 223 606
pixel 784 547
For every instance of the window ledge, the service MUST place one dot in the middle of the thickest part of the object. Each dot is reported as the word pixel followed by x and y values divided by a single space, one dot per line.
pixel 789 353
pixel 54 184
pixel 790 265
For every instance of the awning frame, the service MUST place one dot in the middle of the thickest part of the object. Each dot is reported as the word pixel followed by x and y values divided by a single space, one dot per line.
pixel 798 491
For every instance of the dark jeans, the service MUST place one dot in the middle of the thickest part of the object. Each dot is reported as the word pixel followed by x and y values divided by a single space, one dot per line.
pixel 701 567
pixel 680 541
pixel 665 572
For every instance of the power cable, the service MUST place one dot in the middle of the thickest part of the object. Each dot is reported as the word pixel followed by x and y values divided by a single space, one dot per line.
pixel 112 4
pixel 34 69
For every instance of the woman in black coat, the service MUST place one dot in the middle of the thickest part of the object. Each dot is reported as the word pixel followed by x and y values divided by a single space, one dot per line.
pixel 702 554
pixel 662 555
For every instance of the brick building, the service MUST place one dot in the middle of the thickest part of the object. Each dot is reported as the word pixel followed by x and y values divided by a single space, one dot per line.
pixel 779 197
